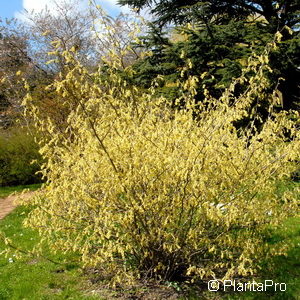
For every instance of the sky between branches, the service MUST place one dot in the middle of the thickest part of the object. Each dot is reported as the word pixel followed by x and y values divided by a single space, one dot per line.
pixel 14 8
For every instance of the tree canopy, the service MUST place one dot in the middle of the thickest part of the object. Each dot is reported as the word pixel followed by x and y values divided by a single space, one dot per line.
pixel 276 13
pixel 223 35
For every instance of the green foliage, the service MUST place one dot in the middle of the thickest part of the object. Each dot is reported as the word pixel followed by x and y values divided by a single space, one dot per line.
pixel 223 35
pixel 220 51
pixel 17 151
pixel 276 13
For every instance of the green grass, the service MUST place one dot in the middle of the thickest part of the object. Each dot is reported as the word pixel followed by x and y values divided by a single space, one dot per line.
pixel 7 190
pixel 280 269
pixel 32 277
pixel 38 278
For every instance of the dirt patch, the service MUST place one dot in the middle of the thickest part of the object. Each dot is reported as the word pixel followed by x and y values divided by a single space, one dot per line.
pixel 153 292
pixel 7 205
pixel 136 293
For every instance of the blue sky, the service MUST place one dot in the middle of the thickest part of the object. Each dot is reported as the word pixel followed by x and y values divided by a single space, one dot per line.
pixel 8 8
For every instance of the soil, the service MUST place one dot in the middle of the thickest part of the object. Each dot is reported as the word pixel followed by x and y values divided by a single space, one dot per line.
pixel 8 204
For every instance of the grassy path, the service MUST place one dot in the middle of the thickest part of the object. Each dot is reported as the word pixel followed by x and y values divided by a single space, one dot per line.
pixel 7 204
pixel 7 200
pixel 34 277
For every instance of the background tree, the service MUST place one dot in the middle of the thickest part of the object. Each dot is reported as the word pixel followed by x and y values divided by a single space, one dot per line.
pixel 15 61
pixel 28 45
pixel 220 40
pixel 276 13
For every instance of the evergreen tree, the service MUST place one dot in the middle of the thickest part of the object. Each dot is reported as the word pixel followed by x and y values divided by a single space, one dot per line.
pixel 277 13
pixel 224 34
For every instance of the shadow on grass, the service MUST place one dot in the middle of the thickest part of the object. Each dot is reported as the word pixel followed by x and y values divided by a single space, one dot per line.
pixel 280 269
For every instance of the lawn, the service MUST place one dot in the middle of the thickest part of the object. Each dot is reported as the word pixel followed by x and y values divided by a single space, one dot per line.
pixel 32 277
pixel 6 191
pixel 281 269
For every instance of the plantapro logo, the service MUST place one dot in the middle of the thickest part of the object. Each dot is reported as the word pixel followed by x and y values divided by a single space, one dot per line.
pixel 237 286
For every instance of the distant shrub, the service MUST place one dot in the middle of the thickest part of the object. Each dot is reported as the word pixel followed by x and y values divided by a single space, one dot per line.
pixel 17 151
pixel 140 190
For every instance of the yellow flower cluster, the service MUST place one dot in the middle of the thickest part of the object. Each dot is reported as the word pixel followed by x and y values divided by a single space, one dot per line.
pixel 139 189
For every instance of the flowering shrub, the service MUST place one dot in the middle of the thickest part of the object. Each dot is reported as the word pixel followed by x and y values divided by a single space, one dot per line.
pixel 140 190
